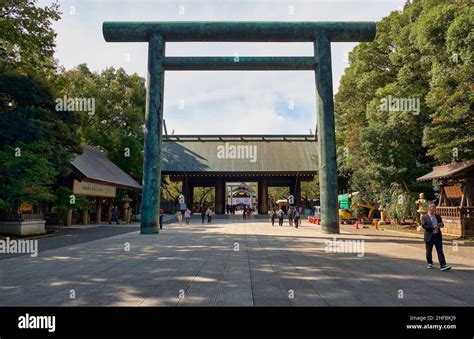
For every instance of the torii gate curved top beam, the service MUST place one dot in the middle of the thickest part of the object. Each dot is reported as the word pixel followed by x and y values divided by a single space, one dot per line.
pixel 243 31
pixel 320 33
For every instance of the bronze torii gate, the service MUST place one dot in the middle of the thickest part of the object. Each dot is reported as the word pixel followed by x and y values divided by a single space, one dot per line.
pixel 158 33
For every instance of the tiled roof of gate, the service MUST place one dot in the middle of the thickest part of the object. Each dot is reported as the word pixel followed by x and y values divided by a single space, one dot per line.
pixel 274 154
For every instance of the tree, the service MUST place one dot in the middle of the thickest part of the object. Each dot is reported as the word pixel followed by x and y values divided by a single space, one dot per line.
pixel 447 30
pixel 116 124
pixel 205 196
pixel 37 142
pixel 170 190
pixel 63 202
pixel 398 203
pixel 27 43
pixel 310 189
pixel 410 58
pixel 277 193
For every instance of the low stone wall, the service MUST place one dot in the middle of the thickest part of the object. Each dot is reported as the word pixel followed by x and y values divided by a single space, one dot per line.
pixel 452 226
pixel 22 228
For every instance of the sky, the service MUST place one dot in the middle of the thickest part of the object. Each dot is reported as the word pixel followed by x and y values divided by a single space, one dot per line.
pixel 224 102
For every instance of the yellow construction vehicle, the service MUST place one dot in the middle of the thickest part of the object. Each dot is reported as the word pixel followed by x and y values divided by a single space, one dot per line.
pixel 362 211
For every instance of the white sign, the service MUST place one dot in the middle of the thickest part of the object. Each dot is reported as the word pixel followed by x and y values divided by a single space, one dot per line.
pixel 181 199
pixel 93 189
pixel 245 201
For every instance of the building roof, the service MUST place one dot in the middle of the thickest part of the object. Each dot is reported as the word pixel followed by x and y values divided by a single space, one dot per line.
pixel 251 154
pixel 94 165
pixel 448 171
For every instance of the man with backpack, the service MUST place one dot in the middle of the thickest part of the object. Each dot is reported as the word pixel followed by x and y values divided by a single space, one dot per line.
pixel 281 215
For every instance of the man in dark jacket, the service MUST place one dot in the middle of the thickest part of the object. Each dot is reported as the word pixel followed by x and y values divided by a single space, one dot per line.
pixel 296 216
pixel 203 213
pixel 114 215
pixel 432 224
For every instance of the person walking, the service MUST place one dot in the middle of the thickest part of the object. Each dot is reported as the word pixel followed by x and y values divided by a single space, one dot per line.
pixel 273 216
pixel 114 215
pixel 432 224
pixel 290 217
pixel 187 215
pixel 203 214
pixel 162 212
pixel 209 215
pixel 296 216
pixel 179 215
pixel 281 215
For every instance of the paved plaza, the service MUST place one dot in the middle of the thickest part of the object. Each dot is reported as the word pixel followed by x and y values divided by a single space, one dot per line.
pixel 236 263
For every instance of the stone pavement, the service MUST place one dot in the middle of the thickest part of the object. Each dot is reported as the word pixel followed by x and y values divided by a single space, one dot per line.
pixel 71 235
pixel 452 245
pixel 235 263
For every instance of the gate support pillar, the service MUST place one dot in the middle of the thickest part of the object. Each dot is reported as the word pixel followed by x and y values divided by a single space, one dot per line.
pixel 263 195
pixel 220 196
pixel 150 210
pixel 326 136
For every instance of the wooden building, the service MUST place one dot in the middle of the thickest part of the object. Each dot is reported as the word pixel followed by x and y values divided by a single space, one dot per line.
pixel 97 178
pixel 455 204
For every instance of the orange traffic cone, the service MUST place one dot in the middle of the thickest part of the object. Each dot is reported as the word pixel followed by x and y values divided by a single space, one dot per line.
pixel 376 224
pixel 357 224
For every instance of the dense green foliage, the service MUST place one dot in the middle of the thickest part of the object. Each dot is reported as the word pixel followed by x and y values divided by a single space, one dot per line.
pixel 37 139
pixel 27 40
pixel 37 142
pixel 116 125
pixel 425 53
